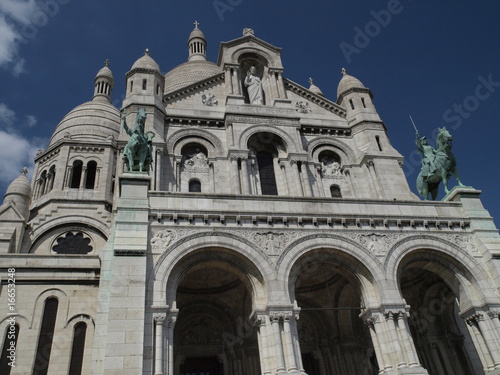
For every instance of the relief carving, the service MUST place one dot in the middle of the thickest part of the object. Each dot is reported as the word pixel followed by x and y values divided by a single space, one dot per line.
pixel 465 242
pixel 209 100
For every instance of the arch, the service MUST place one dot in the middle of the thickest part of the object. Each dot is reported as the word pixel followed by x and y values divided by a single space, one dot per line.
pixel 195 185
pixel 231 248
pixel 317 145
pixel 335 191
pixel 290 144
pixel 90 177
pixel 181 137
pixel 366 270
pixel 462 272
pixel 238 53
pixel 62 310
pixel 76 174
pixel 46 335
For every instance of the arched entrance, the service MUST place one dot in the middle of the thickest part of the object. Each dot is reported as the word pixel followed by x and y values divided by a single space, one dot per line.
pixel 213 334
pixel 333 339
pixel 441 337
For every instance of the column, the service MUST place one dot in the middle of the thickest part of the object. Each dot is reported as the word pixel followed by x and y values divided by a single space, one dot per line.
pixel 291 364
pixel 67 182
pixel 296 344
pixel 158 169
pixel 395 339
pixel 407 340
pixel 382 343
pixel 282 85
pixel 373 177
pixel 235 81
pixel 481 347
pixel 83 179
pixel 235 175
pixel 245 176
pixel 296 178
pixel 278 345
pixel 48 182
pixel 305 179
pixel 496 322
pixel 347 173
pixel 229 81
pixel 97 177
pixel 170 344
pixel 262 336
pixel 489 339
pixel 159 318
pixel 376 345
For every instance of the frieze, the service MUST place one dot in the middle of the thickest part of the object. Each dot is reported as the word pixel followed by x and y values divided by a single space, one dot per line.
pixel 377 244
pixel 271 111
pixel 257 120
pixel 465 242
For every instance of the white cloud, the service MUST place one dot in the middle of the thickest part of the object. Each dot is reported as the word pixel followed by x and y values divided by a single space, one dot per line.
pixel 7 115
pixel 14 15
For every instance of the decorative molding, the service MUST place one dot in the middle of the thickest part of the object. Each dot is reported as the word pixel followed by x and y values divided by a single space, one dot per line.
pixel 264 121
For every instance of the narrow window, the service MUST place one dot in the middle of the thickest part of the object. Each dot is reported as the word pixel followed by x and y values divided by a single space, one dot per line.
pixel 363 101
pixel 352 104
pixel 195 186
pixel 335 191
pixel 158 89
pixel 43 182
pixel 377 138
pixel 75 366
pixel 91 173
pixel 44 346
pixel 76 174
pixel 144 83
pixel 266 172
pixel 131 85
pixel 9 344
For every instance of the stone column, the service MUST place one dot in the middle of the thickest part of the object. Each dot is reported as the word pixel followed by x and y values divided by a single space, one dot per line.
pixel 305 179
pixel 235 81
pixel 376 345
pixel 245 176
pixel 159 318
pixel 496 322
pixel 282 85
pixel 229 80
pixel 278 345
pixel 489 339
pixel 410 349
pixel 296 344
pixel 296 178
pixel 478 340
pixel 97 177
pixel 383 343
pixel 83 178
pixel 170 343
pixel 235 175
pixel 158 169
pixel 291 364
pixel 372 175
pixel 262 336
pixel 398 350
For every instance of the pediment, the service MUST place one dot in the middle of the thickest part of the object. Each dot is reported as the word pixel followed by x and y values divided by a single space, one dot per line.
pixel 315 99
pixel 8 212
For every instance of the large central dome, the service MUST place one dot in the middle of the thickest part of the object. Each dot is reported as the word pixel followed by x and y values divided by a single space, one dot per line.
pixel 188 73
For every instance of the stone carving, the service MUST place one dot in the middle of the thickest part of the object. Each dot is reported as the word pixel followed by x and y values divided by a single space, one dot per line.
pixel 330 168
pixel 161 240
pixel 262 121
pixel 271 242
pixel 437 165
pixel 465 242
pixel 137 154
pixel 270 111
pixel 209 100
pixel 201 331
pixel 303 107
pixel 197 162
pixel 254 87
pixel 378 244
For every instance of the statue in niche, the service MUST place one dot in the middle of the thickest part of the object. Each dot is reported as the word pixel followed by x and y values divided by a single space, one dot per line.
pixel 330 167
pixel 197 160
pixel 138 153
pixel 254 87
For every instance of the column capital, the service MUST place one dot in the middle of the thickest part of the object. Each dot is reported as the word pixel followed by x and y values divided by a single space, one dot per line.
pixel 159 318
pixel 493 313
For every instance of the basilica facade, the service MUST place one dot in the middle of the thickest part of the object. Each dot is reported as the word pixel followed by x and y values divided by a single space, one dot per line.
pixel 268 230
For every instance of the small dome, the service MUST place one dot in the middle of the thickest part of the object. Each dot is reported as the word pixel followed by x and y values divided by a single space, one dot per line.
pixel 20 186
pixel 315 89
pixel 196 33
pixel 188 73
pixel 91 121
pixel 105 72
pixel 146 62
pixel 348 82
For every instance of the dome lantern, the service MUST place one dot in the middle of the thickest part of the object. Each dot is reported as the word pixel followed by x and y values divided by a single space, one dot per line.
pixel 103 84
pixel 197 44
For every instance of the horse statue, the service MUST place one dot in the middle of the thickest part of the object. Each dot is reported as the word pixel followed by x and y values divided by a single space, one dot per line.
pixel 437 165
pixel 138 155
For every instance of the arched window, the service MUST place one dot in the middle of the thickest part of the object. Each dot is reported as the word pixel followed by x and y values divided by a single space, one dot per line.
pixel 75 366
pixel 144 84
pixel 52 173
pixel 266 172
pixel 44 346
pixel 76 174
pixel 335 191
pixel 9 343
pixel 195 186
pixel 91 173
pixel 43 182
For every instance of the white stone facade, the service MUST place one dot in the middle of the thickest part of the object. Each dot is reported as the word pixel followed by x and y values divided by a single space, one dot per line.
pixel 274 238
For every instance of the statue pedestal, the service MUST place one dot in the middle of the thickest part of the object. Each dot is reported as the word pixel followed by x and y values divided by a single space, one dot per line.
pixel 459 192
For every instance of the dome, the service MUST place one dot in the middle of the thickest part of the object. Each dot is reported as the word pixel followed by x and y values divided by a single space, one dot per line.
pixel 188 73
pixel 105 72
pixel 196 33
pixel 348 82
pixel 91 121
pixel 315 89
pixel 146 62
pixel 20 186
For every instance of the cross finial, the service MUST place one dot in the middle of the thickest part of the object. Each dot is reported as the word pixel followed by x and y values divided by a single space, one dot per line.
pixel 146 51
pixel 311 81
pixel 344 71
pixel 106 63
pixel 25 171
pixel 196 24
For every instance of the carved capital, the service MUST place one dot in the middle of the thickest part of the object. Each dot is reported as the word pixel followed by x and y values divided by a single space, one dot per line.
pixel 171 321
pixel 159 318
pixel 493 313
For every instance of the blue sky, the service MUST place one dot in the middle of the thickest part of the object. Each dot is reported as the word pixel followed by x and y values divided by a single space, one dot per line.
pixel 436 60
